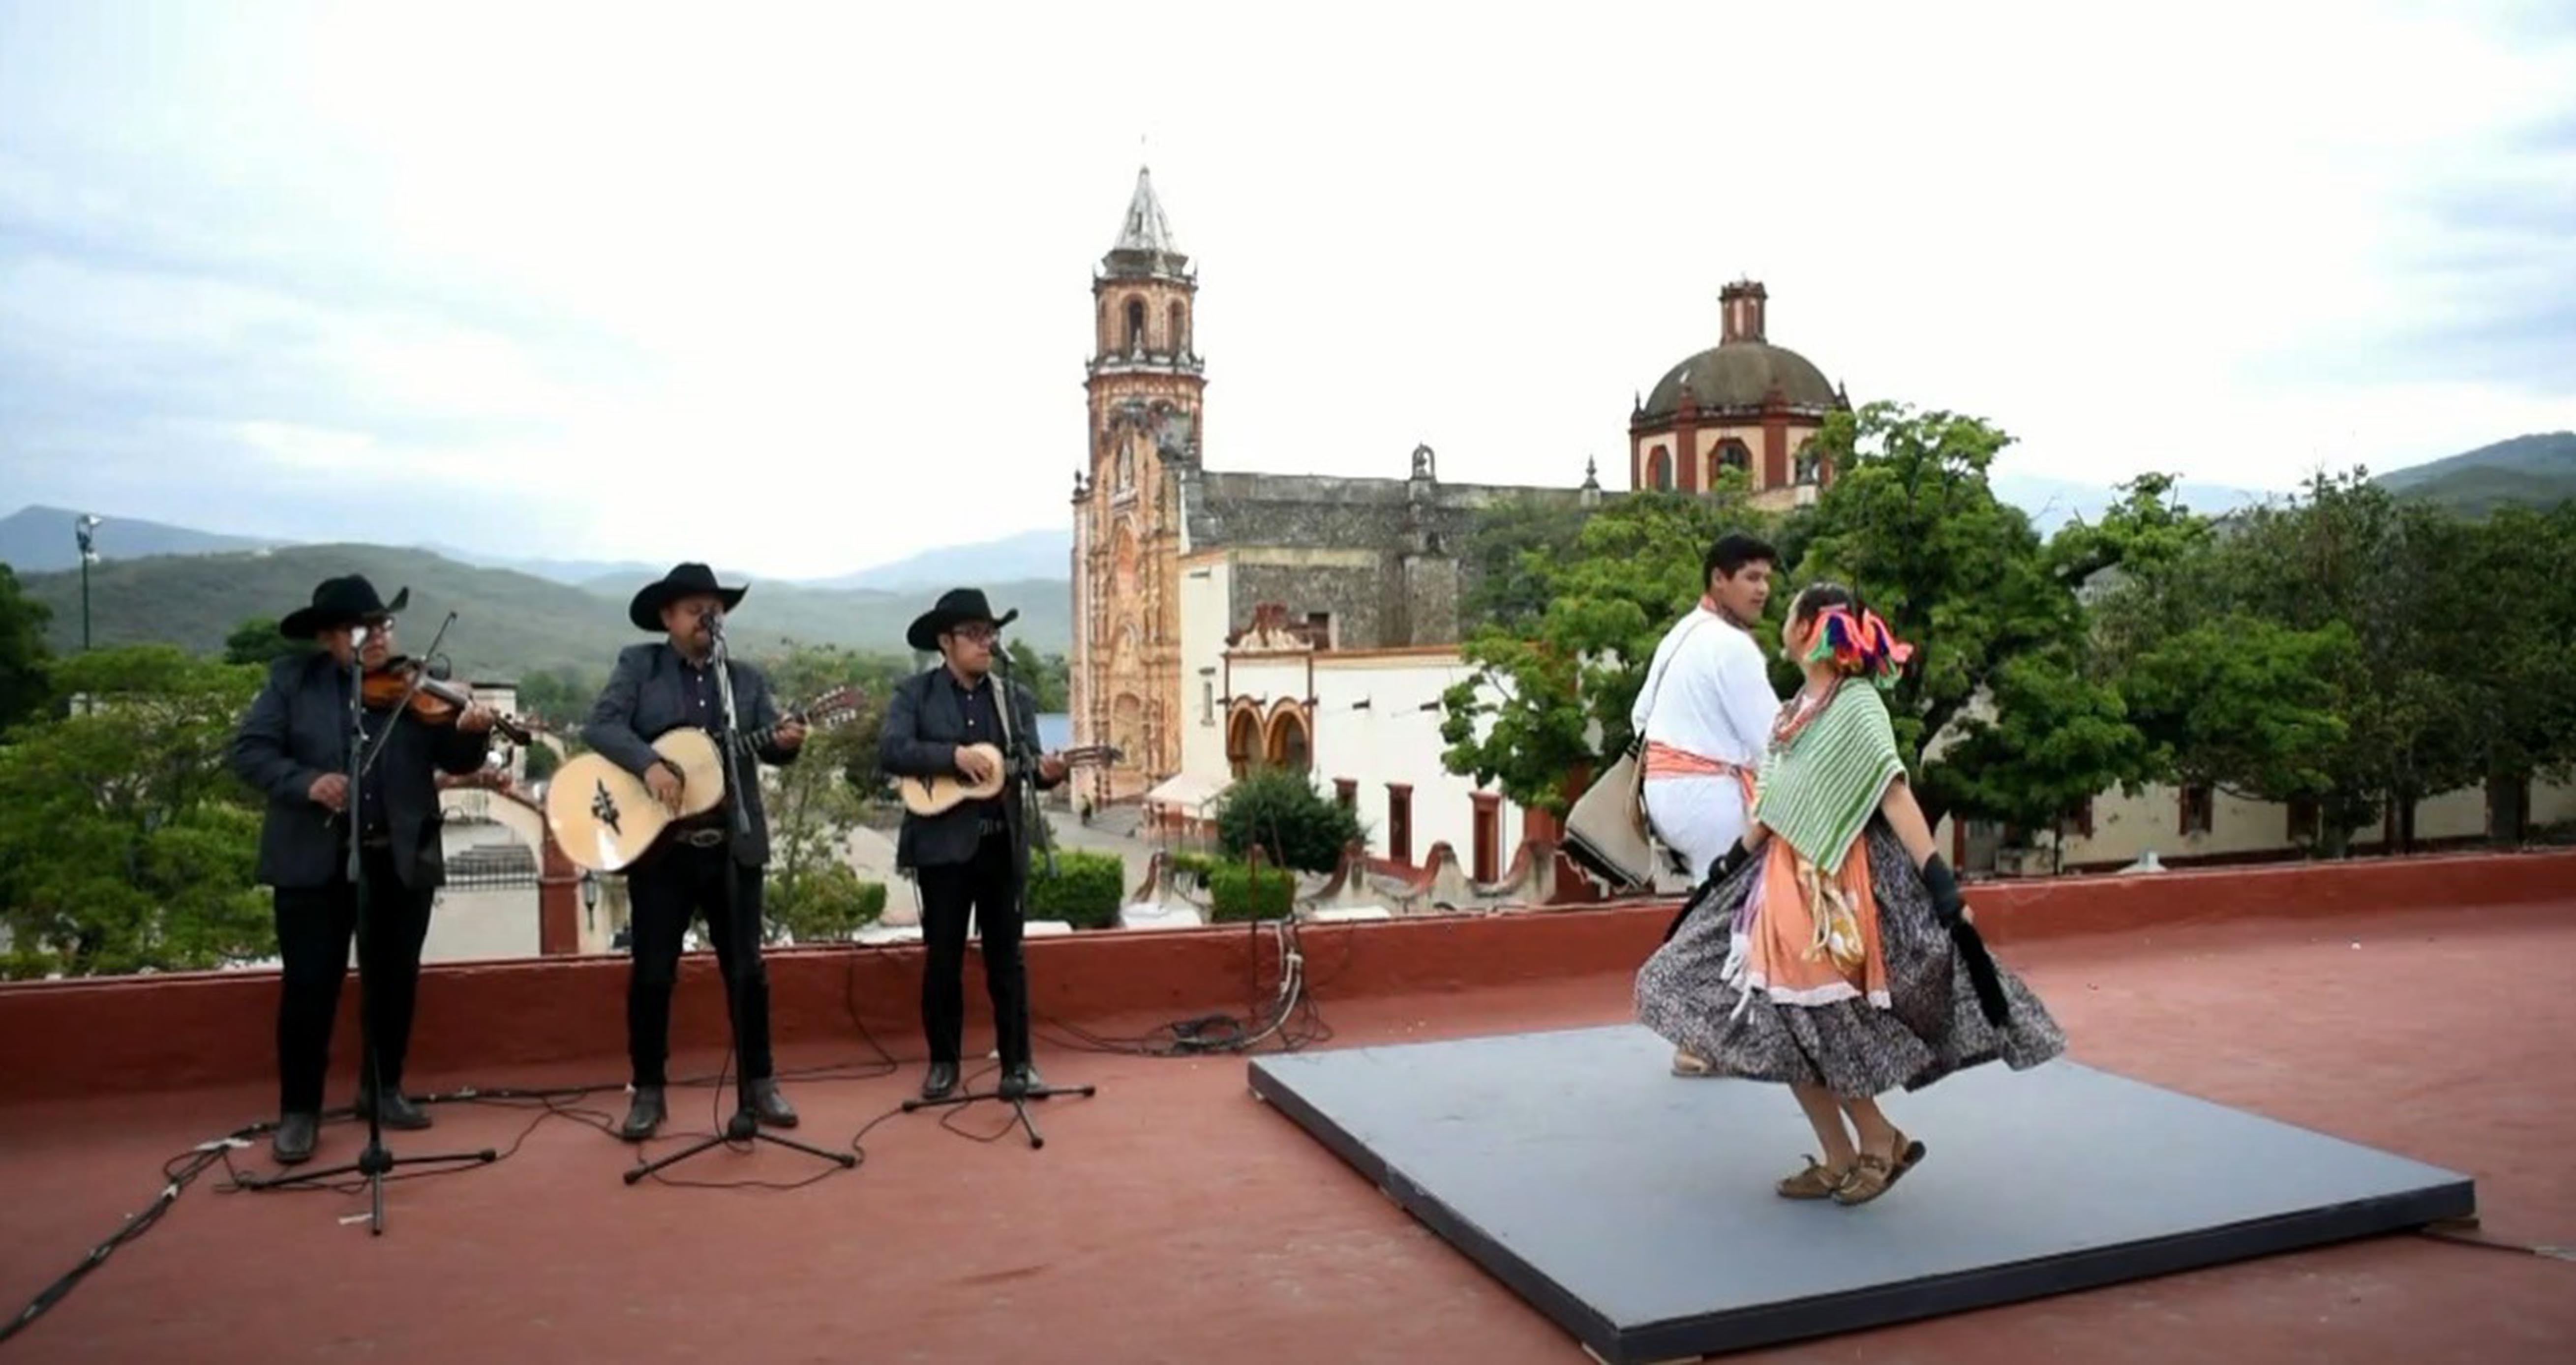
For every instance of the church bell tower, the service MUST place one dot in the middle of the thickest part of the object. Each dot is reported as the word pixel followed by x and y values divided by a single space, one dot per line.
pixel 1145 381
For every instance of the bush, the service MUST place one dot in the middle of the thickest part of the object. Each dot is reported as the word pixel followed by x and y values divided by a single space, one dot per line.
pixel 1297 825
pixel 825 905
pixel 1086 890
pixel 1236 893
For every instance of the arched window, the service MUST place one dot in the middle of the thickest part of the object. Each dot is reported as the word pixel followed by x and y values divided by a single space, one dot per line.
pixel 1135 325
pixel 1179 335
pixel 1659 469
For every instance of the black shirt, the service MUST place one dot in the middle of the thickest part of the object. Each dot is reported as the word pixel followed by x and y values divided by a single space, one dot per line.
pixel 372 819
pixel 981 707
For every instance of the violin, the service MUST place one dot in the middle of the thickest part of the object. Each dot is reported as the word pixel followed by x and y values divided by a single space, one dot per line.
pixel 433 700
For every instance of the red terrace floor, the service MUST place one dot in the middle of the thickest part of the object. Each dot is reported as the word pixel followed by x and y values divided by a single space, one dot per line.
pixel 1174 1218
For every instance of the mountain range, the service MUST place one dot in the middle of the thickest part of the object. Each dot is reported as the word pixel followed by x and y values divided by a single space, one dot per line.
pixel 507 623
pixel 162 582
pixel 2539 470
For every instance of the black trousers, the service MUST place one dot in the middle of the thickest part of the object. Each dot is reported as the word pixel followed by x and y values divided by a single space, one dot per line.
pixel 989 885
pixel 671 886
pixel 314 927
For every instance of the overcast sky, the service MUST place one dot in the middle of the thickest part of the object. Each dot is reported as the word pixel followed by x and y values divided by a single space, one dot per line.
pixel 801 289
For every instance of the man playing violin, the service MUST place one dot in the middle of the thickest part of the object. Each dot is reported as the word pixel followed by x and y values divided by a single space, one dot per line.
pixel 657 687
pixel 293 746
pixel 974 855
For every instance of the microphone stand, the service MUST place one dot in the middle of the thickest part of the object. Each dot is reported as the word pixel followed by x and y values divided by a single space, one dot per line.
pixel 374 1161
pixel 731 750
pixel 1019 773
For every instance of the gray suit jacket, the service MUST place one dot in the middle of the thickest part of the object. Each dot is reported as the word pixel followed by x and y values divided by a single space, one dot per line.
pixel 644 698
pixel 924 724
pixel 297 729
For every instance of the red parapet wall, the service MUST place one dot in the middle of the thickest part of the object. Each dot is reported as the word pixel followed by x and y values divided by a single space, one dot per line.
pixel 166 1032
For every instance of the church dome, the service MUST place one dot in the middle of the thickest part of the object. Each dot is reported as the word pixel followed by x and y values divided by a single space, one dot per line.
pixel 1738 372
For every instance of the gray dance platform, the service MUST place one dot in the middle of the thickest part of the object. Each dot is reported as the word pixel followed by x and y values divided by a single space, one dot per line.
pixel 1635 1208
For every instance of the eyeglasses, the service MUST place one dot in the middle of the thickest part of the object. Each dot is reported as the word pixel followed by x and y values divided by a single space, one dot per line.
pixel 980 635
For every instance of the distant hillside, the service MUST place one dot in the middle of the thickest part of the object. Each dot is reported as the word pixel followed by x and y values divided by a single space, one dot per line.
pixel 2539 470
pixel 1028 555
pixel 507 623
pixel 2051 503
pixel 572 571
pixel 40 539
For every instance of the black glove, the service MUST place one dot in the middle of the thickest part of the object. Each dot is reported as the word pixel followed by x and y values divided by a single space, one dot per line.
pixel 1725 865
pixel 1947 905
pixel 1950 909
pixel 1718 871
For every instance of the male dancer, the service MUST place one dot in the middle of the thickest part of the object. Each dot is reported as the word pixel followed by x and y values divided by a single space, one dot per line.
pixel 1706 713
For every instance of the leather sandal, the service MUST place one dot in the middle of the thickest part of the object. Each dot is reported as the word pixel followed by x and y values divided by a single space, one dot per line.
pixel 1818 1181
pixel 1873 1175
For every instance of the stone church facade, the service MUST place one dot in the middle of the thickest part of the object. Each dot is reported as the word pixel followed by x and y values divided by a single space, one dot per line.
pixel 1347 566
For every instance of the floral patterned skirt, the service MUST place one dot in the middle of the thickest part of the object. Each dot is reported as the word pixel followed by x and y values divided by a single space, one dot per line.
pixel 1737 986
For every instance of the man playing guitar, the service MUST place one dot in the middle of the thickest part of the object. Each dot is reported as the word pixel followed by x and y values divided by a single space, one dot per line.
pixel 974 855
pixel 657 687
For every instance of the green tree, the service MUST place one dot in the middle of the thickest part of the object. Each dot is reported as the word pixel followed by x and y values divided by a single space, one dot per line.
pixel 125 843
pixel 2051 740
pixel 1508 554
pixel 1047 676
pixel 23 688
pixel 2224 698
pixel 256 641
pixel 1912 524
pixel 2506 621
pixel 1281 812
pixel 815 802
pixel 1551 696
pixel 2349 552
pixel 559 699
pixel 540 763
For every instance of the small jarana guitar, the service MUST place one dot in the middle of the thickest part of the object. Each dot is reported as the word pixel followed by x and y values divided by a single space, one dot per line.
pixel 926 796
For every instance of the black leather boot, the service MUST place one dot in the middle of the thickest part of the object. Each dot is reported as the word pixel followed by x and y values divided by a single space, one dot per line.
pixel 770 1107
pixel 293 1141
pixel 644 1115
pixel 941 1082
pixel 398 1112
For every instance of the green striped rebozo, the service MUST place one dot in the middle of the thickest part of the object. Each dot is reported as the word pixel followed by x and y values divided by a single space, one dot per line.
pixel 1818 790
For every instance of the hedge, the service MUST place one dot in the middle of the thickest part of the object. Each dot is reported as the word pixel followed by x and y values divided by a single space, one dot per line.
pixel 1086 890
pixel 1236 894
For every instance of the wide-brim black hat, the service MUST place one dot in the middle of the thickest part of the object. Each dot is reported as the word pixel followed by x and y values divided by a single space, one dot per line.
pixel 684 580
pixel 957 606
pixel 340 602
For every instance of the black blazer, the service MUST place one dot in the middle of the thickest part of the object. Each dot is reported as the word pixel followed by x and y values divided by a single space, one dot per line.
pixel 297 729
pixel 644 698
pixel 924 725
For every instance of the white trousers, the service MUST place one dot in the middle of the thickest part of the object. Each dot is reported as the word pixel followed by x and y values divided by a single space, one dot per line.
pixel 1699 817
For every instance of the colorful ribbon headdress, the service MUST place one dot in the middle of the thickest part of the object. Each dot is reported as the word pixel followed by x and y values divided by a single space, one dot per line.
pixel 1860 644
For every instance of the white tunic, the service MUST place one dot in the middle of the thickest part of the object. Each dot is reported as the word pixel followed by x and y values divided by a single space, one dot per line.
pixel 1711 696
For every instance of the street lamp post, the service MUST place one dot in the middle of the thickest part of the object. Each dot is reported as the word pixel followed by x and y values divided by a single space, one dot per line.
pixel 83 529
pixel 590 901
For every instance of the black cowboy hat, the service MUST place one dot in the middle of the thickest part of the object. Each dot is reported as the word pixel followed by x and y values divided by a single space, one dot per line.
pixel 684 580
pixel 340 602
pixel 957 606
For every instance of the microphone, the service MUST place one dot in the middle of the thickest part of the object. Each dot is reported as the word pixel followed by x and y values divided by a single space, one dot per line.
pixel 713 619
pixel 358 637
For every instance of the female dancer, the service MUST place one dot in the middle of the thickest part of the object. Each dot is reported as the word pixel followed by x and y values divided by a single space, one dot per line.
pixel 1830 951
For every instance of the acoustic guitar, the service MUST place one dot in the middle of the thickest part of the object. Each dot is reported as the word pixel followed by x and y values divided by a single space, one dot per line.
pixel 928 796
pixel 606 818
